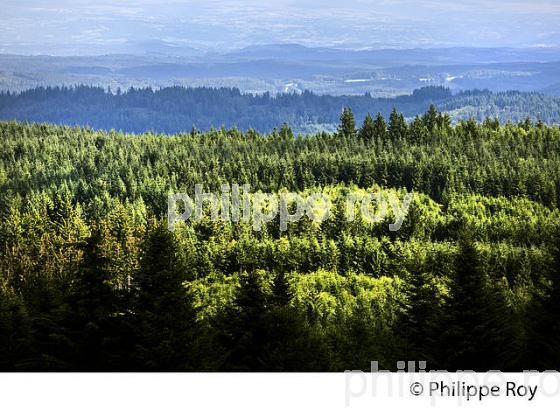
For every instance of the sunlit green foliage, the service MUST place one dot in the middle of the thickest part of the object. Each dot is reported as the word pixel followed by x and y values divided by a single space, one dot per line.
pixel 90 278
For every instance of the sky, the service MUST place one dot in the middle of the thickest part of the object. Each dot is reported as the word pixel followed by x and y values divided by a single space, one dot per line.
pixel 105 26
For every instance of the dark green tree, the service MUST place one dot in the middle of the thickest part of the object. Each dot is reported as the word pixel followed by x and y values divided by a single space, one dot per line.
pixel 286 132
pixel 473 332
pixel 367 132
pixel 292 344
pixel 347 127
pixel 15 331
pixel 416 325
pixel 164 315
pixel 417 132
pixel 543 347
pixel 91 306
pixel 397 125
pixel 430 118
pixel 380 127
pixel 243 327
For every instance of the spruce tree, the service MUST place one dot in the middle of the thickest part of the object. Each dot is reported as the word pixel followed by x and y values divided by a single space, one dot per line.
pixel 242 326
pixel 380 127
pixel 347 127
pixel 286 132
pixel 397 125
pixel 416 324
pixel 367 132
pixel 551 313
pixel 90 308
pixel 430 118
pixel 291 344
pixel 166 320
pixel 15 331
pixel 472 328
pixel 417 132
pixel 543 344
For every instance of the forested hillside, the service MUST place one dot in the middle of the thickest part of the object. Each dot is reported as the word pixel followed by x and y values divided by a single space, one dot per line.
pixel 178 109
pixel 92 279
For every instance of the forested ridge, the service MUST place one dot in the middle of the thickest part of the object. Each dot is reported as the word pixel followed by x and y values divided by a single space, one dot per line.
pixel 178 109
pixel 92 279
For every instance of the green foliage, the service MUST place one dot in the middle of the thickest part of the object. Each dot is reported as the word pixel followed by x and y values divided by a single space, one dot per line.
pixel 185 110
pixel 347 127
pixel 91 279
pixel 474 324
pixel 368 130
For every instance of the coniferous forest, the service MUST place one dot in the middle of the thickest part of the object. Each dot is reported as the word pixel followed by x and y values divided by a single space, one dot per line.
pixel 177 109
pixel 92 279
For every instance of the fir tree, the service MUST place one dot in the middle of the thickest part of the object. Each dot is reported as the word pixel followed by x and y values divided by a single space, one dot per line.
pixel 472 328
pixel 15 331
pixel 90 307
pixel 543 347
pixel 291 344
pixel 380 127
pixel 397 125
pixel 417 132
pixel 367 132
pixel 430 118
pixel 164 314
pixel 347 127
pixel 416 325
pixel 242 327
